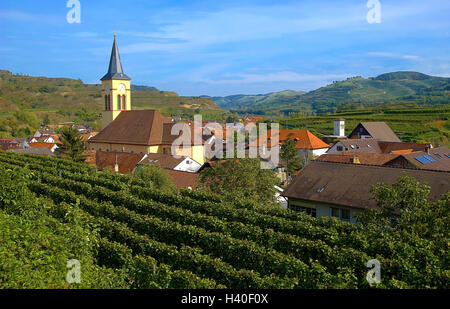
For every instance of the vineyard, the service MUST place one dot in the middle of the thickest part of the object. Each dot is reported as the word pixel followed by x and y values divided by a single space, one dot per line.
pixel 150 239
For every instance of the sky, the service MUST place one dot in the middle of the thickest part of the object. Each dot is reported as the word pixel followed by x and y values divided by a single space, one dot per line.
pixel 220 48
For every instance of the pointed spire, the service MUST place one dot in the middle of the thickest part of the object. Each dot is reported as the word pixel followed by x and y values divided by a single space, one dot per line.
pixel 115 70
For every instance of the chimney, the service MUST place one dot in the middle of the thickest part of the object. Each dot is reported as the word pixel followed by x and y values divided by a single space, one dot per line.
pixel 355 160
pixel 116 166
pixel 339 127
pixel 427 148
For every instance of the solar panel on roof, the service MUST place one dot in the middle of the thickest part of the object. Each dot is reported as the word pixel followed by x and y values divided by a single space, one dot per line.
pixel 422 160
pixel 429 158
pixel 438 155
pixel 447 155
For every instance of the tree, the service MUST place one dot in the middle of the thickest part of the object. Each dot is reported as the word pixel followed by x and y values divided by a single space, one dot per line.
pixel 71 144
pixel 156 177
pixel 46 120
pixel 405 207
pixel 240 179
pixel 289 156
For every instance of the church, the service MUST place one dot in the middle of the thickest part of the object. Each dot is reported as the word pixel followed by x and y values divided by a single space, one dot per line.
pixel 135 131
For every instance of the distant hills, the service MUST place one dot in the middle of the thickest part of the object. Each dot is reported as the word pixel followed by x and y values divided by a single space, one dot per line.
pixel 393 89
pixel 64 99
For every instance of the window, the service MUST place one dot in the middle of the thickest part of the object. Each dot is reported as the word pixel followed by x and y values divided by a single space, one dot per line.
pixel 118 101
pixel 335 212
pixel 307 210
pixel 345 214
pixel 339 148
pixel 109 102
pixel 106 102
pixel 124 102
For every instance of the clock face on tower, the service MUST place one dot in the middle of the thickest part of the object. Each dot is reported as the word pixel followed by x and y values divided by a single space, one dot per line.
pixel 107 88
pixel 121 87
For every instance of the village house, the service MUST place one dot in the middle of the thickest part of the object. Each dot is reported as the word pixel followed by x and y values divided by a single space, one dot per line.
pixel 305 141
pixel 437 159
pixel 377 130
pixel 374 146
pixel 342 190
pixel 183 171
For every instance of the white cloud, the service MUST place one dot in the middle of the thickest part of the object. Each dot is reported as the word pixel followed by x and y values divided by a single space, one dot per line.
pixel 284 76
pixel 393 55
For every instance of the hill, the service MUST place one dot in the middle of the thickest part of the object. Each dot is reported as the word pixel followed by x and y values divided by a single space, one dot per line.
pixel 419 124
pixel 391 89
pixel 258 100
pixel 64 99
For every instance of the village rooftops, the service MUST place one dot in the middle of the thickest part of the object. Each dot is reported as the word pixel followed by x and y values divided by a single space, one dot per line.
pixel 358 158
pixel 435 159
pixel 350 184
pixel 370 145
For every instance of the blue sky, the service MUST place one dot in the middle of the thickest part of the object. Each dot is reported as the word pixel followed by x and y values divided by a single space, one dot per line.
pixel 226 47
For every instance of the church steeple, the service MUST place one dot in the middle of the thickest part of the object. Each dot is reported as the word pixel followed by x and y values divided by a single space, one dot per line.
pixel 115 70
pixel 116 88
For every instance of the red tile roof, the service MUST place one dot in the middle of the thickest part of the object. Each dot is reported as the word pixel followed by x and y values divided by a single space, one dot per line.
pixel 363 158
pixel 126 161
pixel 42 145
pixel 304 138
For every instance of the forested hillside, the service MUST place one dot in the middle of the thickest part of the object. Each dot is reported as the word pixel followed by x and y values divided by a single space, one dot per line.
pixel 63 99
pixel 398 89
pixel 128 236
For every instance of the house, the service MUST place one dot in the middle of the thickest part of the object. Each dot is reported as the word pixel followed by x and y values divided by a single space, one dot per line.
pixel 359 158
pixel 120 162
pixel 374 146
pixel 306 142
pixel 179 170
pixel 184 164
pixel 51 146
pixel 184 179
pixel 342 190
pixel 437 159
pixel 52 139
pixel 377 130
pixel 136 131
pixel 22 142
pixel 8 143
pixel 44 132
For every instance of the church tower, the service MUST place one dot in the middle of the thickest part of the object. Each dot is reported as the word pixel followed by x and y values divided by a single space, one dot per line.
pixel 116 89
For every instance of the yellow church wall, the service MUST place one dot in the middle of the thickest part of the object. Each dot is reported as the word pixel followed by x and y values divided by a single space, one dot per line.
pixel 114 84
pixel 154 149
pixel 198 153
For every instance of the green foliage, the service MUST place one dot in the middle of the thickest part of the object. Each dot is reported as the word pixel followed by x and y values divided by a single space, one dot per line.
pixel 71 144
pixel 155 177
pixel 405 207
pixel 134 237
pixel 241 179
pixel 289 156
